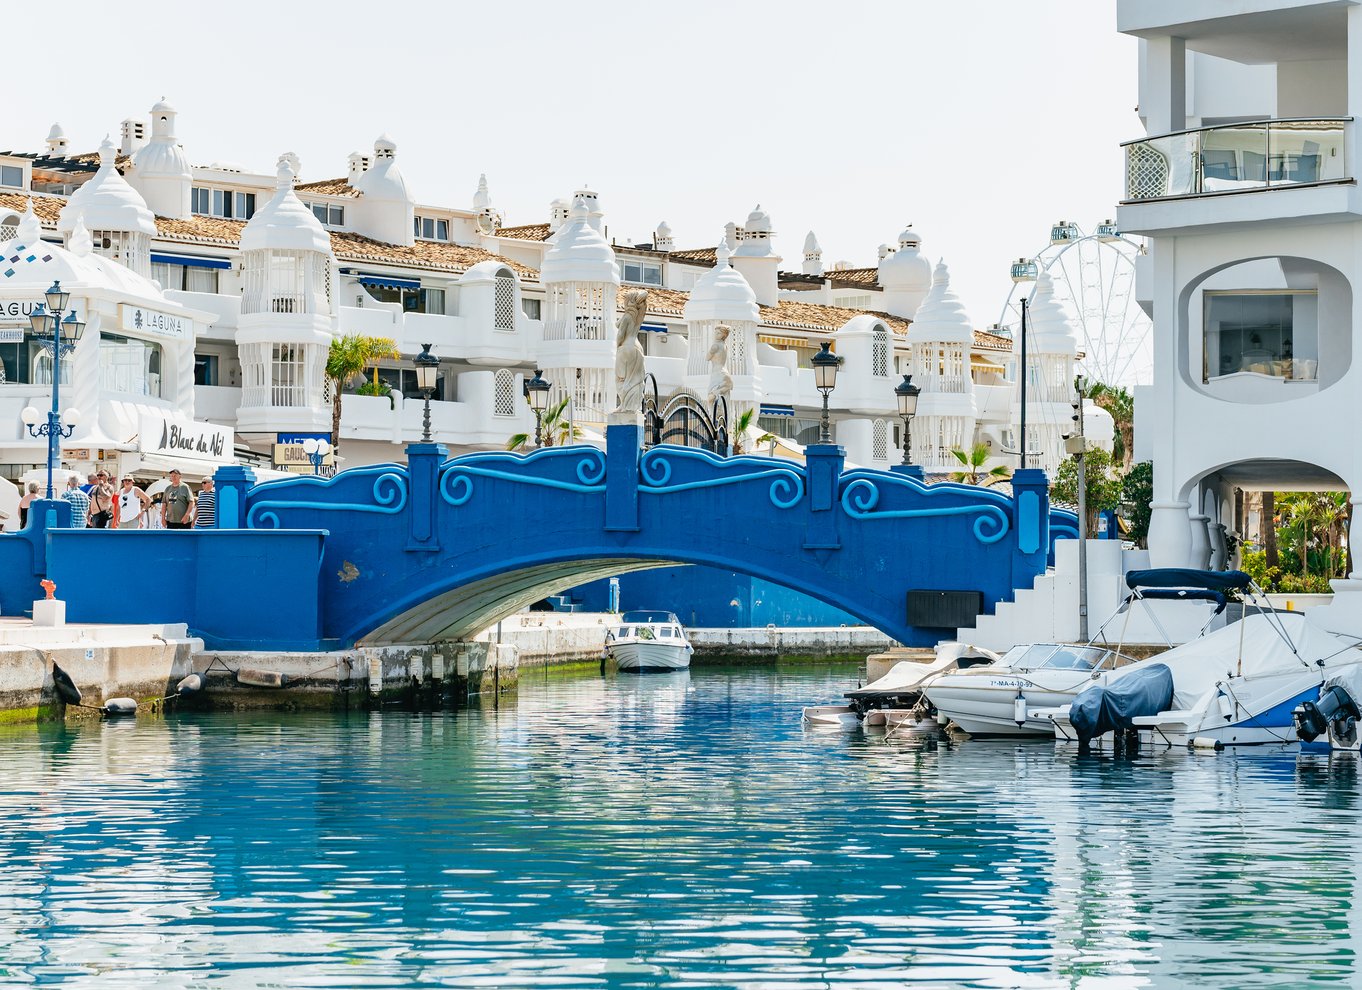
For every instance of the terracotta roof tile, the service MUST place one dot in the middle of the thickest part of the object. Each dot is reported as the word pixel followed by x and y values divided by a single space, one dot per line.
pixel 696 256
pixel 328 187
pixel 869 277
pixel 992 341
pixel 203 230
pixel 526 232
pixel 46 207
pixel 662 302
pixel 816 316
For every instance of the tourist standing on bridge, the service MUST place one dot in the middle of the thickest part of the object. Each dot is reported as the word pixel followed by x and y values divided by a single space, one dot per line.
pixel 25 502
pixel 205 511
pixel 177 504
pixel 80 503
pixel 101 502
pixel 129 504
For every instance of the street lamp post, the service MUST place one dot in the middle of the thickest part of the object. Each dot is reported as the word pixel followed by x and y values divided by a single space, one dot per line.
pixel 316 451
pixel 825 365
pixel 537 392
pixel 427 368
pixel 47 322
pixel 1078 446
pixel 906 393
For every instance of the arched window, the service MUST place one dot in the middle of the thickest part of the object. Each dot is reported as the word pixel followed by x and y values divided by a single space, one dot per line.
pixel 879 359
pixel 503 312
pixel 503 394
pixel 880 441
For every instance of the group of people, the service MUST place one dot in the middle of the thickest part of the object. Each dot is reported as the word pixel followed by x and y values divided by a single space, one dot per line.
pixel 98 504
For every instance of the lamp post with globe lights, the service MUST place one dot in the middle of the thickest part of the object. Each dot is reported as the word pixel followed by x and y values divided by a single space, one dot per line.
pixel 47 322
pixel 316 451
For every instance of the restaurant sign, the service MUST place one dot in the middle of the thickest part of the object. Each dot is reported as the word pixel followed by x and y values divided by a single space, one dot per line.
pixel 140 320
pixel 185 438
pixel 14 314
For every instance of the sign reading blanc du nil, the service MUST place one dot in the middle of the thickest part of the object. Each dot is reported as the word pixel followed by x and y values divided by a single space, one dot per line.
pixel 185 438
pixel 139 319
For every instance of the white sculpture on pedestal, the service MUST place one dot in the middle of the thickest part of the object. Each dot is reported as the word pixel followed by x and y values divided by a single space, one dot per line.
pixel 720 382
pixel 629 370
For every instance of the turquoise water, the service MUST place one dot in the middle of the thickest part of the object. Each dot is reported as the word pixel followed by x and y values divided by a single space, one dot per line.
pixel 665 831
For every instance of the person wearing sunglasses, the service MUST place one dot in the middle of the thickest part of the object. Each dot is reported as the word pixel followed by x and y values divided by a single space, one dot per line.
pixel 129 504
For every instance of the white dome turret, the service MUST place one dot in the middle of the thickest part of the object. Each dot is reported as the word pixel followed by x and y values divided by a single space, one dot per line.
pixel 813 255
pixel 160 169
pixel 721 293
pixel 1049 328
pixel 755 239
pixel 385 210
pixel 56 140
pixel 593 208
pixel 284 223
pixel 906 276
pixel 662 237
pixel 107 201
pixel 941 319
pixel 579 252
pixel 559 211
pixel 383 180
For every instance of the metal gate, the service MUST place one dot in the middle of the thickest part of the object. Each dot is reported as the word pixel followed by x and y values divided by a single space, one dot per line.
pixel 684 421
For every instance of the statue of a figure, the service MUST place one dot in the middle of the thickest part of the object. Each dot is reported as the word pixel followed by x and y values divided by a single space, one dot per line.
pixel 629 352
pixel 720 381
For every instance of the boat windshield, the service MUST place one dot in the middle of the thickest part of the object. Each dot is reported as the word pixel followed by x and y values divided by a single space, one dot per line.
pixel 1049 656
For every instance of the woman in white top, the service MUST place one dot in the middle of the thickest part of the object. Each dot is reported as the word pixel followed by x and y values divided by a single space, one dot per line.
pixel 129 504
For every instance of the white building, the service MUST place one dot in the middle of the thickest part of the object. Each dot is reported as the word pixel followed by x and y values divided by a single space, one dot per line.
pixel 1245 189
pixel 268 269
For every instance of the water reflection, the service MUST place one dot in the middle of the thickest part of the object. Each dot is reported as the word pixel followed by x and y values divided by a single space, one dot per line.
pixel 669 830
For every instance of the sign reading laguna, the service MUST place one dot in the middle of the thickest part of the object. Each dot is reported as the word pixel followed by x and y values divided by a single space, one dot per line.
pixel 185 438
pixel 14 314
pixel 140 320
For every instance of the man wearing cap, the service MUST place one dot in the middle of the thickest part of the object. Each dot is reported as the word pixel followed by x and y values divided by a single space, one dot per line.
pixel 177 504
pixel 206 506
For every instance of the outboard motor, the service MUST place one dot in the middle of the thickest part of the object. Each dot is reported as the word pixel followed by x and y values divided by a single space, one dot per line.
pixel 1335 712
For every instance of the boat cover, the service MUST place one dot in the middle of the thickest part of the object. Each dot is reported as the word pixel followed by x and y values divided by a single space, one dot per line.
pixel 1186 577
pixel 1349 678
pixel 1100 709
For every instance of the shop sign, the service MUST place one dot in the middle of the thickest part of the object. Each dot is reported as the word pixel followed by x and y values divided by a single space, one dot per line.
pixel 140 320
pixel 184 438
pixel 14 314
pixel 291 456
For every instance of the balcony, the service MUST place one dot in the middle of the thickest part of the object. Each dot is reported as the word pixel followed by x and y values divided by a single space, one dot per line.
pixel 1215 167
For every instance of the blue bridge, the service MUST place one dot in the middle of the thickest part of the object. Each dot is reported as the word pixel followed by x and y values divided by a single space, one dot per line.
pixel 439 549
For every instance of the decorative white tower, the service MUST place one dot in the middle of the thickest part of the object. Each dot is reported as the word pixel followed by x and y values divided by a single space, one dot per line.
pixel 756 259
pixel 662 237
pixel 593 208
pixel 119 224
pixel 581 280
pixel 287 308
pixel 160 169
pixel 56 140
pixel 905 275
pixel 722 295
pixel 940 339
pixel 1051 348
pixel 813 256
pixel 385 210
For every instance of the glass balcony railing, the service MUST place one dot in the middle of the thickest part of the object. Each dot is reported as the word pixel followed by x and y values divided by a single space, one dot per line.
pixel 1237 158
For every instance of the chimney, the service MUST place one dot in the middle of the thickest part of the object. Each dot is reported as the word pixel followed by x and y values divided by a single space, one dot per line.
pixel 358 165
pixel 56 141
pixel 134 136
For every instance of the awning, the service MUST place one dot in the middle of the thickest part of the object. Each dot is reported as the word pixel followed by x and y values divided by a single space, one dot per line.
pixel 769 410
pixel 1186 577
pixel 387 281
pixel 774 341
pixel 653 327
pixel 189 261
pixel 194 467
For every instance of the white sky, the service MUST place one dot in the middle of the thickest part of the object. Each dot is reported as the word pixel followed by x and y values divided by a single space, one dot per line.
pixel 979 121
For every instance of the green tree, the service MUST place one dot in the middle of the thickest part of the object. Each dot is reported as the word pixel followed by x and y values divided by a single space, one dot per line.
pixel 1103 484
pixel 555 427
pixel 1120 404
pixel 1137 492
pixel 973 461
pixel 351 356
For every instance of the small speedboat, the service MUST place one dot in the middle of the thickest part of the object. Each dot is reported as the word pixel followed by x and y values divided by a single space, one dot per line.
pixel 648 641
pixel 899 691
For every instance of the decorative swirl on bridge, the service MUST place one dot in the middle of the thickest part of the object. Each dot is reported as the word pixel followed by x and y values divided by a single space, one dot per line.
pixel 655 474
pixel 861 495
pixel 389 497
pixel 456 480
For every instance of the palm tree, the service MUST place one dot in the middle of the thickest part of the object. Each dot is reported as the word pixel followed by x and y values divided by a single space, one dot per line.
pixel 1121 405
pixel 740 427
pixel 1269 528
pixel 557 430
pixel 973 463
pixel 351 356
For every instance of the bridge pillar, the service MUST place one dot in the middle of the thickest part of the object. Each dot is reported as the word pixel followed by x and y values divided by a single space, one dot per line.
pixel 232 482
pixel 423 472
pixel 823 470
pixel 1031 495
pixel 623 441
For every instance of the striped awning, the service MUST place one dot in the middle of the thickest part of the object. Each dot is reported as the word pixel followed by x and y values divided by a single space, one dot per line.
pixel 189 261
pixel 775 341
pixel 774 410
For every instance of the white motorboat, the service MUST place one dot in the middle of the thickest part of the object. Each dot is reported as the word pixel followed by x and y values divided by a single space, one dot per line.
pixel 898 690
pixel 649 641
pixel 1002 699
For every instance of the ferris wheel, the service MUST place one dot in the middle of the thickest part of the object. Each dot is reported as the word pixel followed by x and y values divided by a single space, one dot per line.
pixel 1094 276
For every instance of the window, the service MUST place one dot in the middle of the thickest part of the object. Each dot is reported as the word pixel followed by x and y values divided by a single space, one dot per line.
pixel 641 272
pixel 129 365
pixel 222 203
pixel 503 394
pixel 205 369
pixel 329 214
pixel 879 360
pixel 430 229
pixel 402 380
pixel 186 278
pixel 880 440
pixel 1263 333
pixel 532 308
pixel 503 312
pixel 434 301
pixel 411 300
pixel 12 175
pixel 286 376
